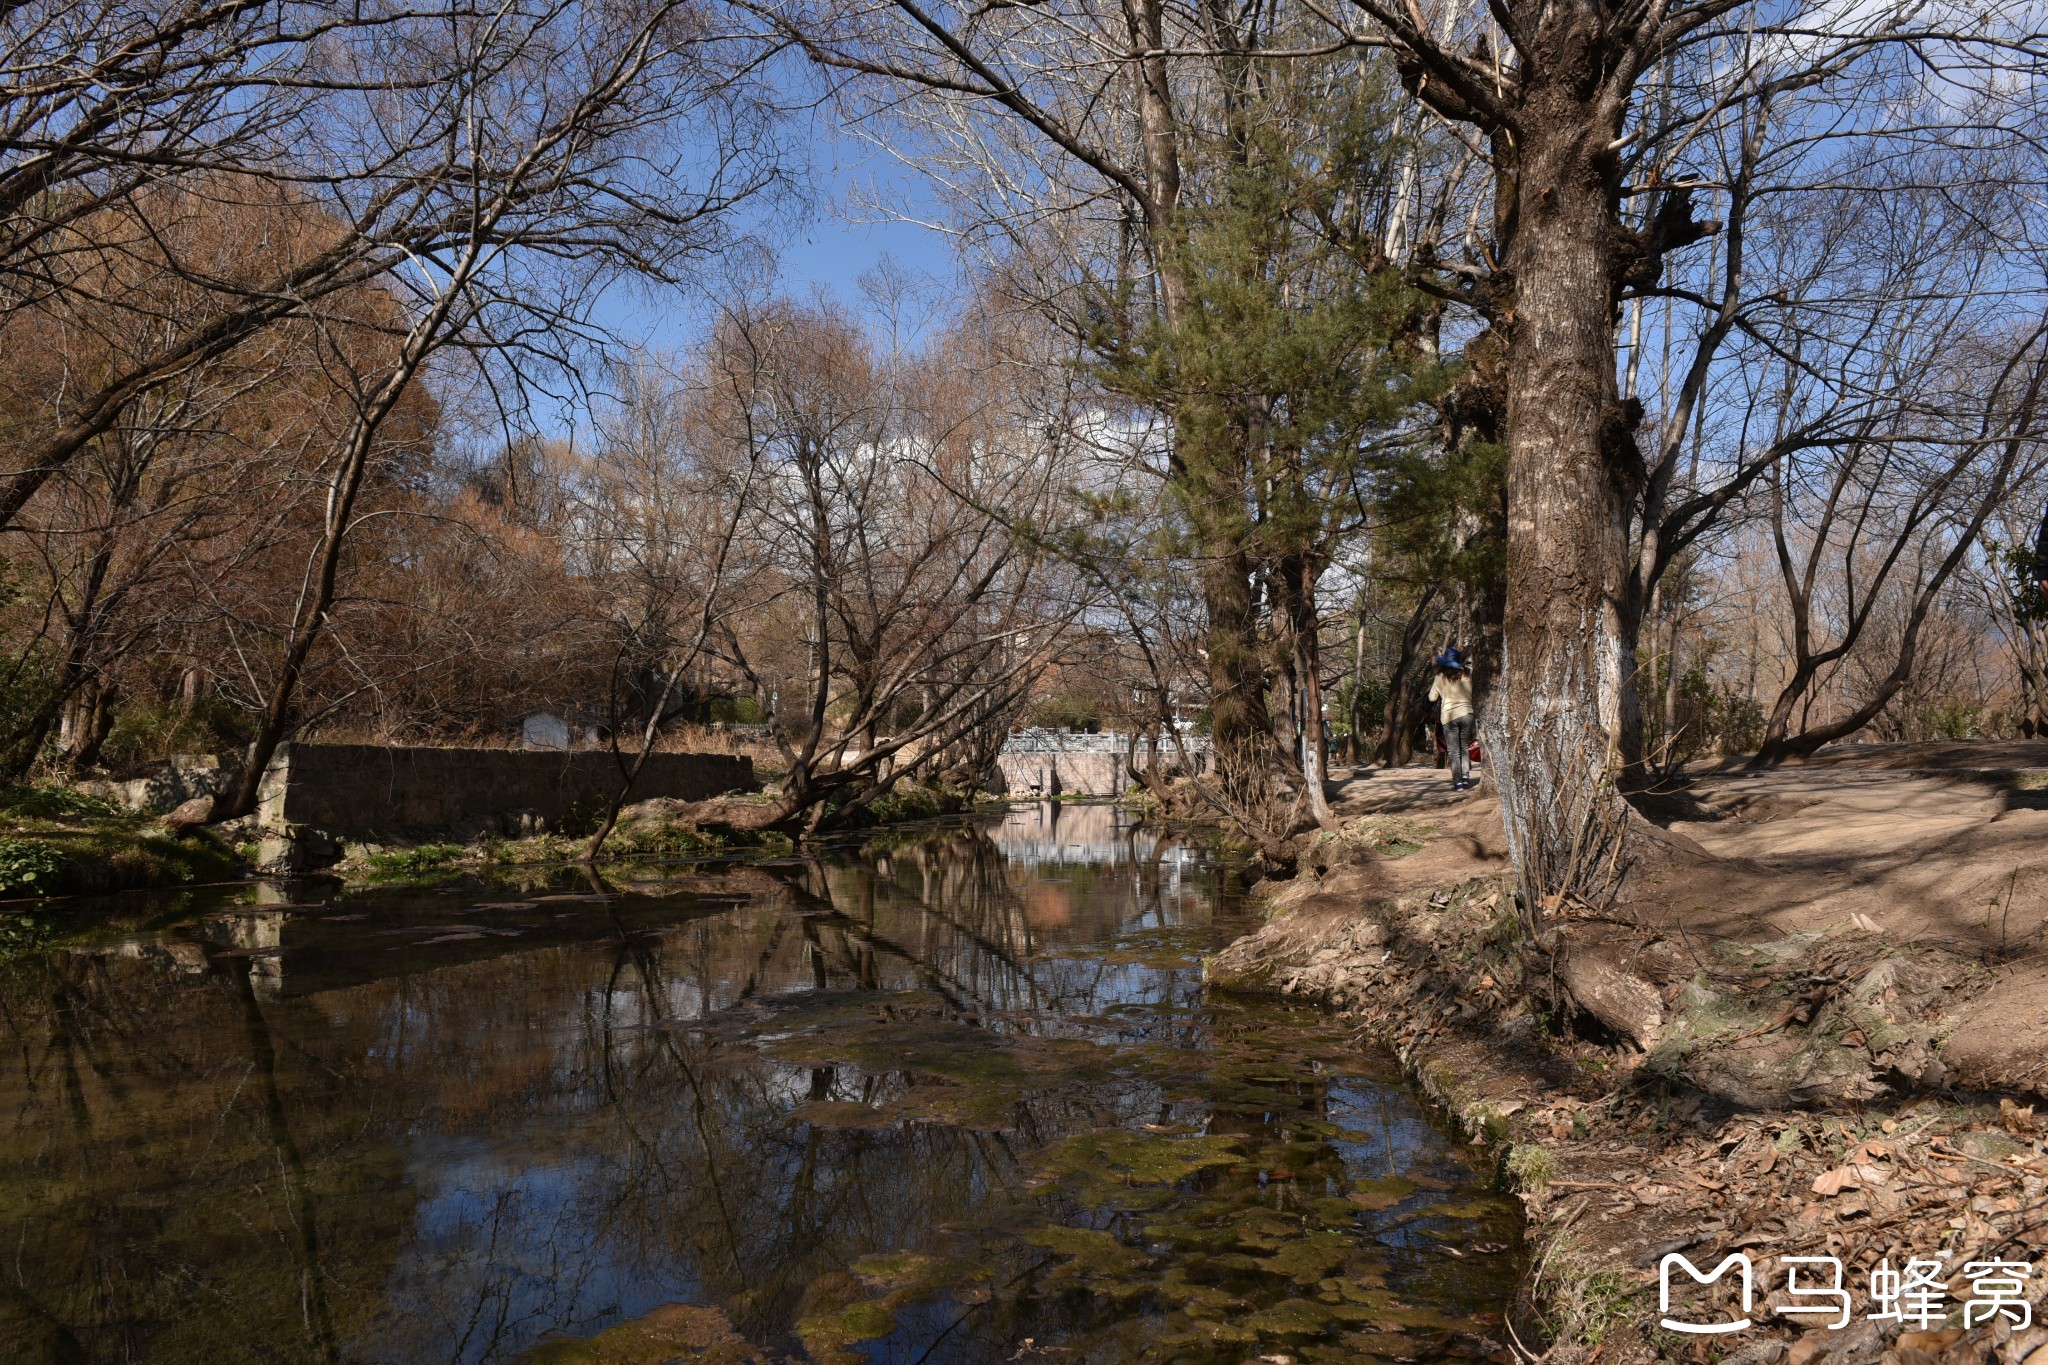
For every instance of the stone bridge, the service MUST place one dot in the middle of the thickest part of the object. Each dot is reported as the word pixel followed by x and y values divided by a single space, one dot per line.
pixel 1057 763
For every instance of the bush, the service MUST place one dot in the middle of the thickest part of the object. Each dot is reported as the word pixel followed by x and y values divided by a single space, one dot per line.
pixel 1739 721
pixel 406 862
pixel 29 866
pixel 1372 707
pixel 25 684
pixel 146 731
pixel 1952 718
pixel 738 711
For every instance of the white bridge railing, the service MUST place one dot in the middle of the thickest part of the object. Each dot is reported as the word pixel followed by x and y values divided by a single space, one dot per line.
pixel 1041 741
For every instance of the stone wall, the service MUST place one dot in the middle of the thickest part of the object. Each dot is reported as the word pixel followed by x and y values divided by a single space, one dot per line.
pixel 164 791
pixel 368 789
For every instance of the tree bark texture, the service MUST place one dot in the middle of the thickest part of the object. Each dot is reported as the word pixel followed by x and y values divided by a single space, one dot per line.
pixel 1553 727
pixel 1297 582
pixel 1397 731
pixel 1246 758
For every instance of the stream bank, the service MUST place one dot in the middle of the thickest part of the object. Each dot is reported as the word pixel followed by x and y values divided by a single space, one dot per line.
pixel 55 841
pixel 1755 1078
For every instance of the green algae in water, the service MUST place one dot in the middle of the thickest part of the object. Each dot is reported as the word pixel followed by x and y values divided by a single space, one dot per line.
pixel 1471 1209
pixel 896 1280
pixel 1230 1243
pixel 1306 1259
pixel 1093 1260
pixel 1097 1165
pixel 674 1334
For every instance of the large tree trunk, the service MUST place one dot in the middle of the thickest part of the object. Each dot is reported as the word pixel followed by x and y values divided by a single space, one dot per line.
pixel 1571 465
pixel 1631 738
pixel 1671 756
pixel 1298 585
pixel 96 723
pixel 1396 745
pixel 1353 742
pixel 1247 760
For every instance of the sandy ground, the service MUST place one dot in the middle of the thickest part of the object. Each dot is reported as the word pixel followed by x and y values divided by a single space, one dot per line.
pixel 1923 840
pixel 1941 845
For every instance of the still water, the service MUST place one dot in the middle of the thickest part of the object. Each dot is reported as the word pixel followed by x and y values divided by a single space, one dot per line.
pixel 959 1097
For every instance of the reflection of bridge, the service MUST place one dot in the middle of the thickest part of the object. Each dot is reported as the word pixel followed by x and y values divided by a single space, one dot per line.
pixel 1048 832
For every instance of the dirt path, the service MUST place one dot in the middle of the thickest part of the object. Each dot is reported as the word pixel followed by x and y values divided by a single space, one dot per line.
pixel 1953 857
pixel 1940 848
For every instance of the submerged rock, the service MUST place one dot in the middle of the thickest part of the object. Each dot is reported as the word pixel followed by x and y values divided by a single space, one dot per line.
pixel 674 1332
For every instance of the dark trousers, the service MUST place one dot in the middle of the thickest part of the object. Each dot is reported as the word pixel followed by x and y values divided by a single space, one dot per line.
pixel 1458 739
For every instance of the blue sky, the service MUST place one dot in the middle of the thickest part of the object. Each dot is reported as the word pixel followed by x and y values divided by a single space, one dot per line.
pixel 828 247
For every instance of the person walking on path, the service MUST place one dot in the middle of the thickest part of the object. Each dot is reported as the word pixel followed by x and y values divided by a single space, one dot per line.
pixel 1452 690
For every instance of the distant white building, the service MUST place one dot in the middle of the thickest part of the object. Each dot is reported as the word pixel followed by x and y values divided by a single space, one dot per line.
pixel 543 730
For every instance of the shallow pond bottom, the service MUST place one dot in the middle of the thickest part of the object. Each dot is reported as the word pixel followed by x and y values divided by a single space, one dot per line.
pixel 956 1098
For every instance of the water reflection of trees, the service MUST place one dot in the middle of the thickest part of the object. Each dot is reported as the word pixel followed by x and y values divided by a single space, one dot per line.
pixel 443 1164
pixel 446 1162
pixel 690 1161
pixel 178 1186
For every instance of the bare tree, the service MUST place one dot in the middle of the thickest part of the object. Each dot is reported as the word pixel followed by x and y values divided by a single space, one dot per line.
pixel 532 149
pixel 113 541
pixel 117 118
pixel 397 125
pixel 657 522
pixel 897 511
pixel 1202 196
pixel 1902 516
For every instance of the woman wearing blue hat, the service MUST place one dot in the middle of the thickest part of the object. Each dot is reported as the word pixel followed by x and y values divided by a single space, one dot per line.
pixel 1452 690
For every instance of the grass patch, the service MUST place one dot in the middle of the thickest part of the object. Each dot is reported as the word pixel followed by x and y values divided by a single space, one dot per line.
pixel 664 841
pixel 1383 836
pixel 93 862
pixel 43 801
pixel 1589 1306
pixel 908 801
pixel 120 860
pixel 1532 1167
pixel 537 850
pixel 55 841
pixel 411 862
